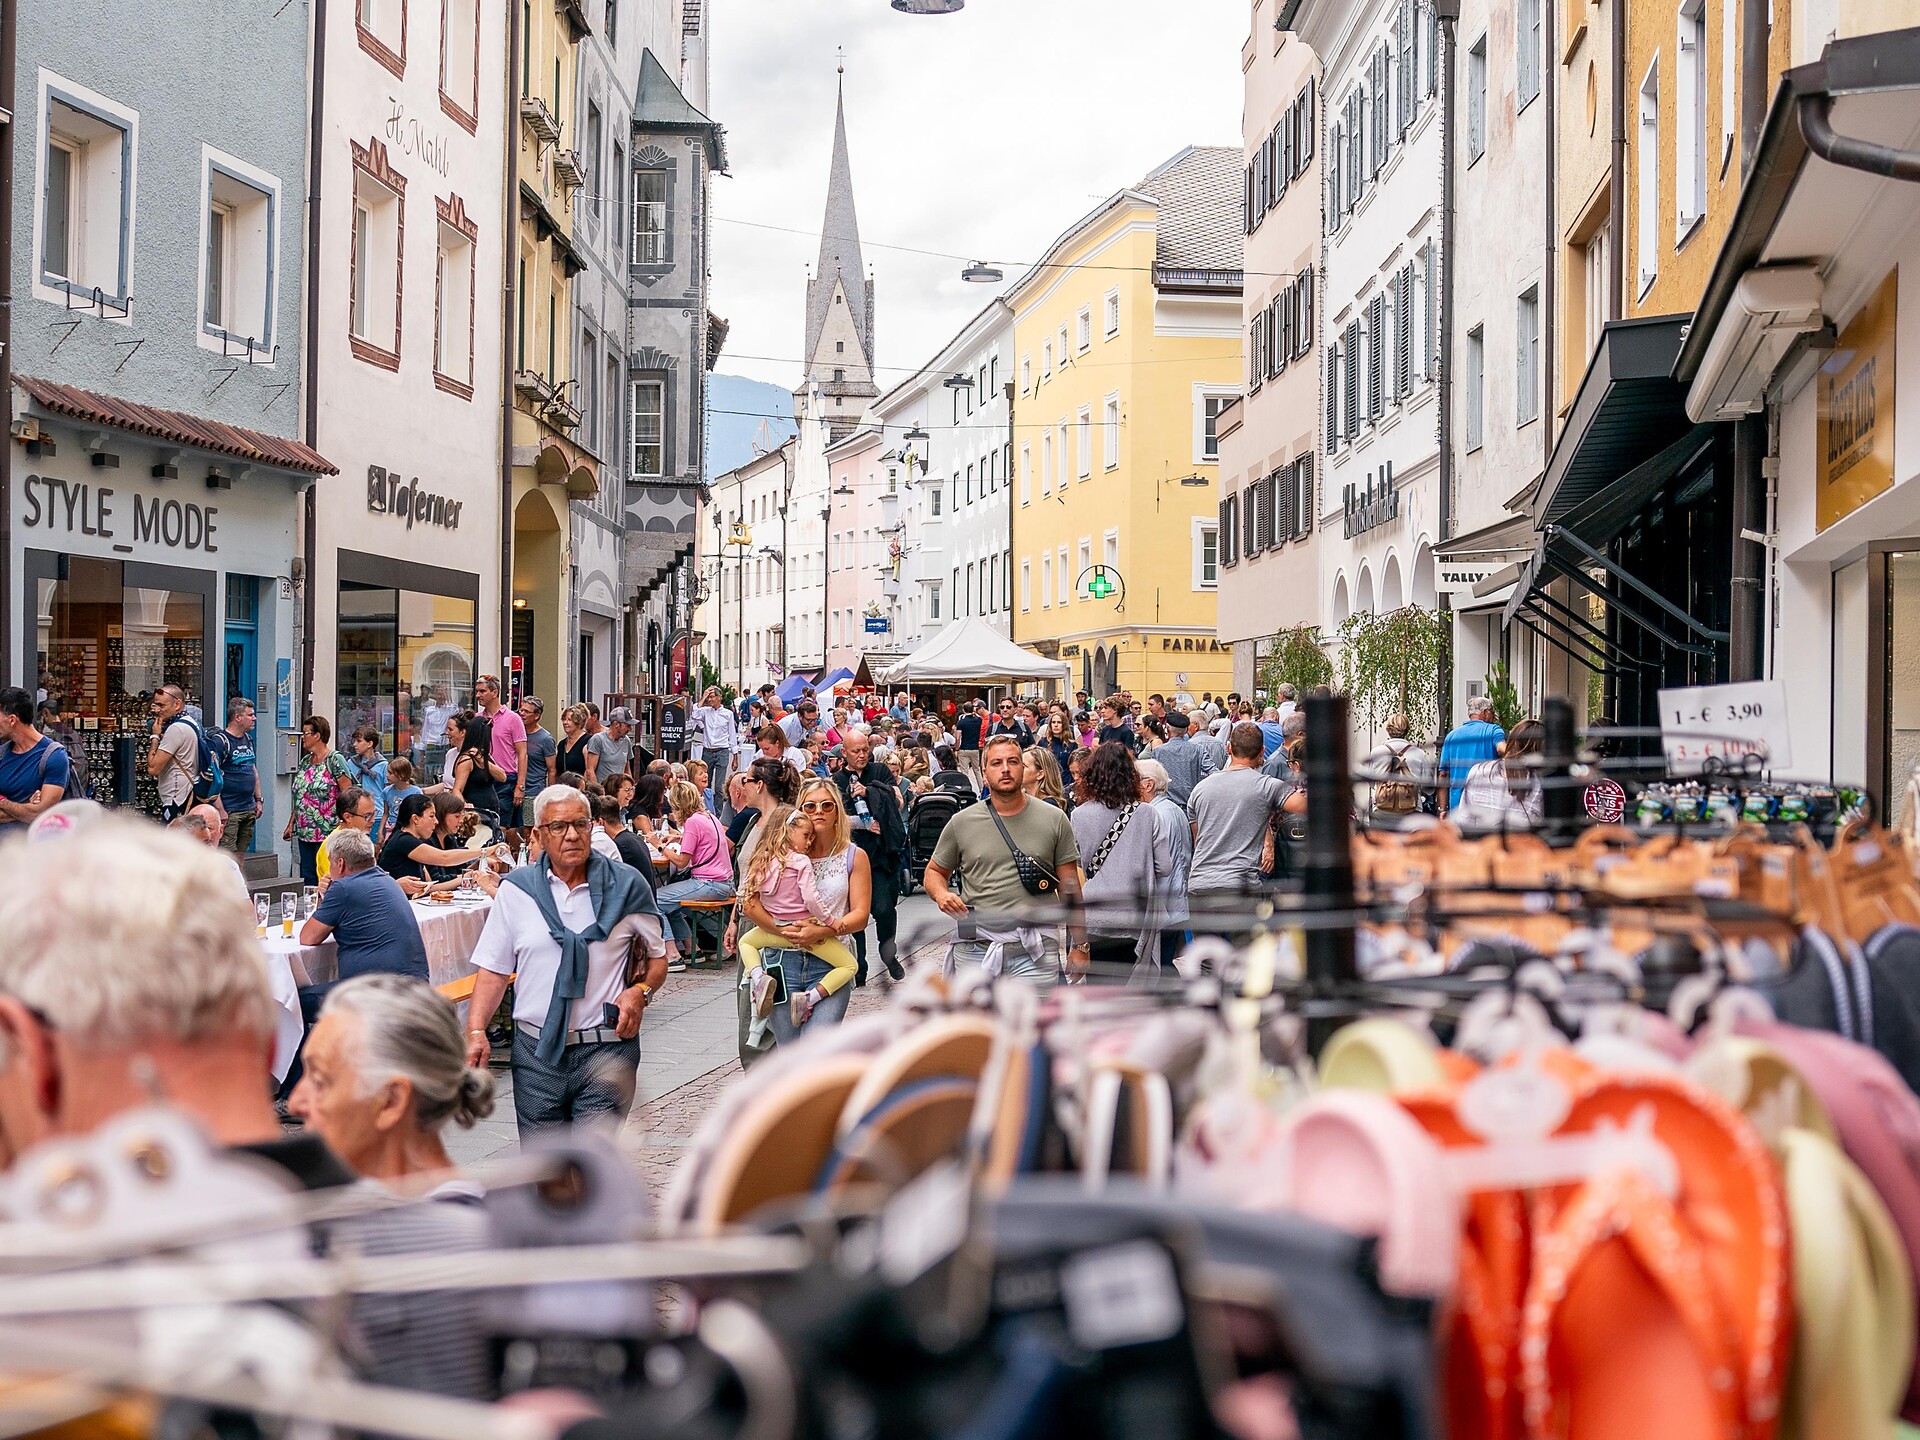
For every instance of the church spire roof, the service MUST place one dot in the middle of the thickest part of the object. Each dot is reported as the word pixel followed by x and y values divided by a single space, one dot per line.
pixel 841 263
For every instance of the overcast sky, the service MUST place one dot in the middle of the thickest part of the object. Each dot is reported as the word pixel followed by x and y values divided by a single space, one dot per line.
pixel 982 134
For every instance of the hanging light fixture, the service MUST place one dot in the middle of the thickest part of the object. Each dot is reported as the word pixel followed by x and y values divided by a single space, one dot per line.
pixel 958 382
pixel 915 435
pixel 929 7
pixel 981 273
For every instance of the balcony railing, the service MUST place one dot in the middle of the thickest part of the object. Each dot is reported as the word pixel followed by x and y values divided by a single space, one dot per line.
pixel 539 119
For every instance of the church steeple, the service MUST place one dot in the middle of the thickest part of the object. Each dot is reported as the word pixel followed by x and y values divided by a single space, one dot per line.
pixel 840 296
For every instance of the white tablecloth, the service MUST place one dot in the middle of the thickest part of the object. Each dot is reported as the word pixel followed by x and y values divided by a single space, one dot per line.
pixel 450 933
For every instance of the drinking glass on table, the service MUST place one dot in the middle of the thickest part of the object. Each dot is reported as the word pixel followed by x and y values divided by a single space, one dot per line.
pixel 288 905
pixel 309 901
pixel 262 913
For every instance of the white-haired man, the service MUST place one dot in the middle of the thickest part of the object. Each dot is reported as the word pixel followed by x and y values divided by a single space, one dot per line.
pixel 580 936
pixel 131 970
pixel 1170 820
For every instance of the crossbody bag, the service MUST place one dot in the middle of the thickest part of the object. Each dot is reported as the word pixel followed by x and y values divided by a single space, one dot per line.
pixel 1097 861
pixel 1035 878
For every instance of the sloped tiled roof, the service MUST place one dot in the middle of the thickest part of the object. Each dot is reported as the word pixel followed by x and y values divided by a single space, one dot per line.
pixel 176 427
pixel 1199 192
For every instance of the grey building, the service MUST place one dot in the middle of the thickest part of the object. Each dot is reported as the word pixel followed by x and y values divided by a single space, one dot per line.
pixel 155 469
pixel 672 342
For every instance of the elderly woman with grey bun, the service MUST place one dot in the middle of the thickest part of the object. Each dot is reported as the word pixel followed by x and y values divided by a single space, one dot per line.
pixel 386 1069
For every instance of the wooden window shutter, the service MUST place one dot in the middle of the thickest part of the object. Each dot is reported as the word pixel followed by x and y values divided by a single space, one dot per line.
pixel 1333 398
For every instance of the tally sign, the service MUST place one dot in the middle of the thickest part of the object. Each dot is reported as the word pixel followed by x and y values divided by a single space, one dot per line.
pixel 388 494
pixel 1718 729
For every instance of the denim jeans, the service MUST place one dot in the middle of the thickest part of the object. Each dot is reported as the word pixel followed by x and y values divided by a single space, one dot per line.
pixel 717 758
pixel 670 896
pixel 803 970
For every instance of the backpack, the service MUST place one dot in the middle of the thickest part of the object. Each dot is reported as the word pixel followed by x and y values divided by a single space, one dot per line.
pixel 77 788
pixel 208 775
pixel 1397 797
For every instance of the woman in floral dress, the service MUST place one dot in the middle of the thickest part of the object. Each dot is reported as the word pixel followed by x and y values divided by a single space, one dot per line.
pixel 323 777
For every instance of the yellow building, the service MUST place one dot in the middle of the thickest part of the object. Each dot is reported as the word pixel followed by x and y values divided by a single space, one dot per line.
pixel 1127 338
pixel 548 467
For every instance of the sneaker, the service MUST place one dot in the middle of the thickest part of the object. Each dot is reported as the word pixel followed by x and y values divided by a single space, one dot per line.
pixel 894 968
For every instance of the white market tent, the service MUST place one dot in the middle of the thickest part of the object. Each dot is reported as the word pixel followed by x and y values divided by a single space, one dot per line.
pixel 967 652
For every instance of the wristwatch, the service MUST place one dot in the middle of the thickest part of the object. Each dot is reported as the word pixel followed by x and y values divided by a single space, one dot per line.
pixel 646 990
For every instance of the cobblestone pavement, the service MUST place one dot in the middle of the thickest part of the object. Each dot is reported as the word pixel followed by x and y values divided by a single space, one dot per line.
pixel 688 1055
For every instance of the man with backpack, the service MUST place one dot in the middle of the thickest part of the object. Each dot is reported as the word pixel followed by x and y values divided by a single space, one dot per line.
pixel 176 755
pixel 1408 767
pixel 33 767
pixel 240 785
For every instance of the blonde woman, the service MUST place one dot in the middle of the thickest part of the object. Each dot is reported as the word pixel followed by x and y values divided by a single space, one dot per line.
pixel 1040 776
pixel 702 851
pixel 843 886
pixel 572 756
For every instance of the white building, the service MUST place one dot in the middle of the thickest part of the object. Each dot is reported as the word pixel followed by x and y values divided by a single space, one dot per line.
pixel 405 557
pixel 1380 506
pixel 952 426
pixel 744 615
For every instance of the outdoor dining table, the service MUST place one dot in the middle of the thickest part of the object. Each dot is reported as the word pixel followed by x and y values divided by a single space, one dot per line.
pixel 450 933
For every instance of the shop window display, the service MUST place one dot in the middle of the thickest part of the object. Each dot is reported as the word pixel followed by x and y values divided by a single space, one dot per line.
pixel 405 663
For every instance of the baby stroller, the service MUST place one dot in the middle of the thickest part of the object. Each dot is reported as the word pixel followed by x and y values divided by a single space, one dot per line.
pixel 927 816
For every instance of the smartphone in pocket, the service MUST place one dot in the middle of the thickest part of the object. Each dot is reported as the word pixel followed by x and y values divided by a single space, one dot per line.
pixel 965 927
pixel 770 962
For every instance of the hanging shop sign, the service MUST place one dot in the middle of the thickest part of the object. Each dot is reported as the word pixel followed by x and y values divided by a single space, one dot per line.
pixel 1853 439
pixel 388 494
pixel 1720 729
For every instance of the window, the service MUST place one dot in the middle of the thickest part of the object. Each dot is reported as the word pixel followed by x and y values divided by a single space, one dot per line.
pixel 1526 342
pixel 1227 547
pixel 1083 332
pixel 1062 340
pixel 1646 199
pixel 1046 580
pixel 459 61
pixel 1046 463
pixel 1026 474
pixel 591 159
pixel 1083 441
pixel 382 28
pixel 1429 312
pixel 1477 100
pixel 933 600
pixel 617 185
pixel 379 195
pixel 614 392
pixel 1476 385
pixel 1690 118
pixel 649 217
pixel 1063 582
pixel 1061 454
pixel 1026 374
pixel 1110 428
pixel 1376 357
pixel 649 428
pixel 1332 392
pixel 968 596
pixel 1113 313
pixel 237 300
pixel 1729 82
pixel 86 193
pixel 1110 549
pixel 1527 52
pixel 1206 554
pixel 1085 558
pixel 454 281
pixel 1026 583
pixel 993 379
pixel 1403 327
pixel 1046 361
pixel 1208 402
pixel 967 494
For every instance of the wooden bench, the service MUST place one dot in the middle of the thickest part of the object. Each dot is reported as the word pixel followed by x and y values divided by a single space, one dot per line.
pixel 458 990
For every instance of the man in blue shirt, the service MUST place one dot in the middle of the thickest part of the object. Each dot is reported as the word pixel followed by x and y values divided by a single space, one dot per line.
pixel 365 912
pixel 33 767
pixel 1467 745
pixel 240 774
pixel 1271 731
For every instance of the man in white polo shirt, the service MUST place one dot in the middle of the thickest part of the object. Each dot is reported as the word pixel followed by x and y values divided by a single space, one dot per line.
pixel 585 947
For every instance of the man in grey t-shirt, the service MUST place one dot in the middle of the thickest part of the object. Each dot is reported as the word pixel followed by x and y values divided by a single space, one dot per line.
pixel 1230 812
pixel 611 751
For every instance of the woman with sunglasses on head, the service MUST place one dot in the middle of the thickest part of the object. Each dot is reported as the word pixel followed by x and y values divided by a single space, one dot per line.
pixel 841 884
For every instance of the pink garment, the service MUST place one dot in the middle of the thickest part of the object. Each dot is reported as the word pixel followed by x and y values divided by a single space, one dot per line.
pixel 508 731
pixel 790 895
pixel 705 846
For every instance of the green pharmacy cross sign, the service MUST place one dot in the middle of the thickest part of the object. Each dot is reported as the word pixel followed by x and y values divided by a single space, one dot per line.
pixel 1103 582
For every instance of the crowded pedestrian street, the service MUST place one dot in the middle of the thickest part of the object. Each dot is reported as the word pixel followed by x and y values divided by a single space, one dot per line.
pixel 960 720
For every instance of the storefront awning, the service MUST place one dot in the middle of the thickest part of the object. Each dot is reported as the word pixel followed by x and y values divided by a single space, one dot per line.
pixel 1799 210
pixel 175 427
pixel 1627 436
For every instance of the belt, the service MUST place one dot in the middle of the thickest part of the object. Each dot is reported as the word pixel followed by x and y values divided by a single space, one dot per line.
pixel 599 1035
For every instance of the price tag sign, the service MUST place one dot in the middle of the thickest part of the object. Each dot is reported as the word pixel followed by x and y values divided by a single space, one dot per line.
pixel 1708 729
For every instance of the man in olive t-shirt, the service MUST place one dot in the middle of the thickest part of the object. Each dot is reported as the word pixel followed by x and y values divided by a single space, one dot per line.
pixel 972 848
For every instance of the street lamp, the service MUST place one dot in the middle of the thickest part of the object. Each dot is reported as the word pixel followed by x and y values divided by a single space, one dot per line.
pixel 958 382
pixel 929 7
pixel 981 273
pixel 915 435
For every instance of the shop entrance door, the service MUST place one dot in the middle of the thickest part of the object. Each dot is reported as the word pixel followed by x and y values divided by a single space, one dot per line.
pixel 523 645
pixel 242 646
pixel 583 677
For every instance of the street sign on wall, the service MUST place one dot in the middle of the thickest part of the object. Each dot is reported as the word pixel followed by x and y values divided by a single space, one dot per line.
pixel 878 625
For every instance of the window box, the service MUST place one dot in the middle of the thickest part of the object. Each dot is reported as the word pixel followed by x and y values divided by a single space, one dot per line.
pixel 568 169
pixel 533 385
pixel 540 120
pixel 562 414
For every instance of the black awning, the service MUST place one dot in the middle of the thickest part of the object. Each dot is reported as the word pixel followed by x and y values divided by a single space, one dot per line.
pixel 1628 410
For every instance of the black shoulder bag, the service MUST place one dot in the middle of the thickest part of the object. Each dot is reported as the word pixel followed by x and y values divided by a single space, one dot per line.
pixel 1035 878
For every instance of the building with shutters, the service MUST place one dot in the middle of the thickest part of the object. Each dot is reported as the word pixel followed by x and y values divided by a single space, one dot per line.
pixel 1269 450
pixel 1127 337
pixel 1378 496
